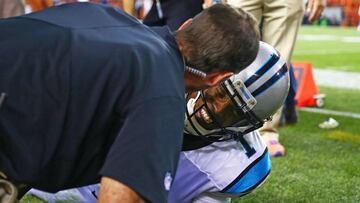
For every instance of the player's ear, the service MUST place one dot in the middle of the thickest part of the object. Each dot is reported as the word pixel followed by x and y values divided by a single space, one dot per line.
pixel 216 77
pixel 185 24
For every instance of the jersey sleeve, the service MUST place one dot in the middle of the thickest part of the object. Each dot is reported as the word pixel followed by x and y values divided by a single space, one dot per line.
pixel 145 152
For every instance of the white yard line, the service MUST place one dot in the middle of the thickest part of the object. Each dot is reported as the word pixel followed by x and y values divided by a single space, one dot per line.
pixel 347 39
pixel 338 79
pixel 325 51
pixel 331 112
pixel 344 39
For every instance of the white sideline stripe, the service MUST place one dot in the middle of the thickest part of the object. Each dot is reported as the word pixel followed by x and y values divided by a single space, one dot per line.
pixel 347 39
pixel 325 52
pixel 337 79
pixel 331 112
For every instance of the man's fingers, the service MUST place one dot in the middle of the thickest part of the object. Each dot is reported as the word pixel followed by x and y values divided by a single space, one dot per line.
pixel 309 6
pixel 315 8
pixel 315 12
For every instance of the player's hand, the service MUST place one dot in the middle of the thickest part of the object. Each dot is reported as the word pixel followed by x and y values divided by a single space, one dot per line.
pixel 315 8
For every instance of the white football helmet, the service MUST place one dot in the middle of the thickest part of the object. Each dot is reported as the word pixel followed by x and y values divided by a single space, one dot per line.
pixel 256 93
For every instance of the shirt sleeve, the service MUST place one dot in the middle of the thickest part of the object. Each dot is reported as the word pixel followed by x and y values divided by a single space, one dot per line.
pixel 145 153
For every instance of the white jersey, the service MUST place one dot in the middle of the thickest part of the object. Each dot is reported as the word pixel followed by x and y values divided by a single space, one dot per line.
pixel 212 174
pixel 221 170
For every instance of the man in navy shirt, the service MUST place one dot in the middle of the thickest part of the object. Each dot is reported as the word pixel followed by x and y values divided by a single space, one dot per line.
pixel 80 85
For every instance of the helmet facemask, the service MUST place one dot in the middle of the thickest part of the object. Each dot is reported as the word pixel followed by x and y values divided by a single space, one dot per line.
pixel 238 109
pixel 201 120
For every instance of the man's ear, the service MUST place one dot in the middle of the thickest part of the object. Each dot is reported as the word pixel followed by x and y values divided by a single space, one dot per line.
pixel 185 24
pixel 214 78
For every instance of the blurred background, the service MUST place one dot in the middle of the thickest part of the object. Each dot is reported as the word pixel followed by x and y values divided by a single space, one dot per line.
pixel 337 12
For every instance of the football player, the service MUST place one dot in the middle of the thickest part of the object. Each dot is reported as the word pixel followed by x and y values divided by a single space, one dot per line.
pixel 223 154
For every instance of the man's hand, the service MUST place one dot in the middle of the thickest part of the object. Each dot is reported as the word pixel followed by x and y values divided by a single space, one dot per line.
pixel 315 8
pixel 112 191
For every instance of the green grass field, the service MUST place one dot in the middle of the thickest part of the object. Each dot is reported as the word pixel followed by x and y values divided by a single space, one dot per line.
pixel 320 165
pixel 336 48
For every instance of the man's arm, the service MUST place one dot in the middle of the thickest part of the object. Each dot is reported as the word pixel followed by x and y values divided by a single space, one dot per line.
pixel 114 191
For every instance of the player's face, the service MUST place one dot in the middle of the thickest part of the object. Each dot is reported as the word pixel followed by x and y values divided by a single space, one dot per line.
pixel 220 106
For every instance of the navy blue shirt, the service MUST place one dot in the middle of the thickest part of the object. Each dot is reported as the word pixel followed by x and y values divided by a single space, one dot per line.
pixel 90 92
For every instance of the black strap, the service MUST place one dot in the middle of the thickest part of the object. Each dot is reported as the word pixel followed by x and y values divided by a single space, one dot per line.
pixel 192 142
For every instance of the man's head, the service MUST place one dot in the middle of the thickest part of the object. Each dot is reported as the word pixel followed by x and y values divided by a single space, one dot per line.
pixel 241 103
pixel 220 38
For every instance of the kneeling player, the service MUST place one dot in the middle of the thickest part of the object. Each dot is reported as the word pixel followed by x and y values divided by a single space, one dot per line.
pixel 223 154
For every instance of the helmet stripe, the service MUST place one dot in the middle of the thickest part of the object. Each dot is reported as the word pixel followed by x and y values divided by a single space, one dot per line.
pixel 262 70
pixel 280 73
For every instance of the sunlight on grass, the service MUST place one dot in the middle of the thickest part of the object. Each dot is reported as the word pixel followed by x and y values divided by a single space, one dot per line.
pixel 343 136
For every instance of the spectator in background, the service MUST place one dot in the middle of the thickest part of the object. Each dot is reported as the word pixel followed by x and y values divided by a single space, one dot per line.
pixel 127 5
pixel 279 21
pixel 37 5
pixel 350 8
pixel 10 8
